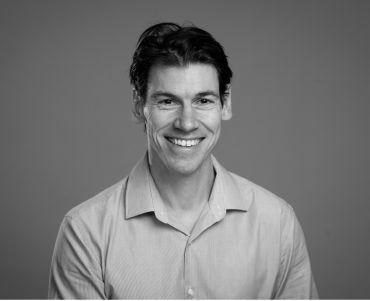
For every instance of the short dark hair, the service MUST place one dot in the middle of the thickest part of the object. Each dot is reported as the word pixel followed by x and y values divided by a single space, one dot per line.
pixel 172 44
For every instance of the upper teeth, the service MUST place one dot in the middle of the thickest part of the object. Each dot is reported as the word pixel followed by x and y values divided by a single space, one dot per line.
pixel 184 142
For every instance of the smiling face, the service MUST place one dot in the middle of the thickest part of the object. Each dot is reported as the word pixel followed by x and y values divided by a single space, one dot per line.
pixel 183 114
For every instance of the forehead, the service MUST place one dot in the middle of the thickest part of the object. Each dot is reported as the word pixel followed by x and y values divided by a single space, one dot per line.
pixel 183 80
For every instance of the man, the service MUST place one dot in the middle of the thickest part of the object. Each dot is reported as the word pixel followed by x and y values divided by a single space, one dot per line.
pixel 180 225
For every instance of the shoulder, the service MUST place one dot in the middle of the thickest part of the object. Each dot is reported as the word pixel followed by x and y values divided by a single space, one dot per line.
pixel 94 213
pixel 271 214
pixel 264 203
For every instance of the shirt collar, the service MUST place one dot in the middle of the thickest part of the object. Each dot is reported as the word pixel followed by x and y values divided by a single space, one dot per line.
pixel 231 195
pixel 142 195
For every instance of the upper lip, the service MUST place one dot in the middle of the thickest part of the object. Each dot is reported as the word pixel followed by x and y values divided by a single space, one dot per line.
pixel 184 138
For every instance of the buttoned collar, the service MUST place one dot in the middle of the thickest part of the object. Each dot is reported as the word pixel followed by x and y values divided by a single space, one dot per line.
pixel 142 195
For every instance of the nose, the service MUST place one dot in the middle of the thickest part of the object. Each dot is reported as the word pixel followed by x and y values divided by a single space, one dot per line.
pixel 186 119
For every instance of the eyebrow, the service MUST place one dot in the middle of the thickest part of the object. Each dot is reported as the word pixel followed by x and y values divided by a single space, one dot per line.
pixel 208 93
pixel 200 94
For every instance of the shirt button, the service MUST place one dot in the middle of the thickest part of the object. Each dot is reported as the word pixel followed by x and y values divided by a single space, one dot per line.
pixel 218 212
pixel 190 292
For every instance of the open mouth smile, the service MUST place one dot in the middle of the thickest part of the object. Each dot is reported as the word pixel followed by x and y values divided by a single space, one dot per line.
pixel 184 142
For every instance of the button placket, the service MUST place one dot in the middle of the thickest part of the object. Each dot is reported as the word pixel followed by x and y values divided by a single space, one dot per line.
pixel 189 291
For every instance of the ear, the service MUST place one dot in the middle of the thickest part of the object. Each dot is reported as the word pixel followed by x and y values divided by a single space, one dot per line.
pixel 227 113
pixel 138 106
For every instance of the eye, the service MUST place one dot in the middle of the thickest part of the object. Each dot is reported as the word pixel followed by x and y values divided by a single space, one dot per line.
pixel 166 101
pixel 167 104
pixel 204 101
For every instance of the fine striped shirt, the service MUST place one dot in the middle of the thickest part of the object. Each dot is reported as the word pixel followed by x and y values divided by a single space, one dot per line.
pixel 246 244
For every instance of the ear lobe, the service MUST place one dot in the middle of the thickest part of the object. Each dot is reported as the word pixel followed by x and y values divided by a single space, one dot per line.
pixel 227 113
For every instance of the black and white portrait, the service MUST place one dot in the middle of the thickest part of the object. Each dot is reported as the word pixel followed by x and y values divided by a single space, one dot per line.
pixel 185 150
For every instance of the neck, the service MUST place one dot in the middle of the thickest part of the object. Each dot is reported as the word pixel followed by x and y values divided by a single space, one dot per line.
pixel 184 193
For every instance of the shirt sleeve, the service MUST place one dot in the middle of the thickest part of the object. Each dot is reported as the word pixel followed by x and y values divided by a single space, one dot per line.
pixel 295 280
pixel 75 270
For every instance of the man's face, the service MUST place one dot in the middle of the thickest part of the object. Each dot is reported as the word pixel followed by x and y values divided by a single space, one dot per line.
pixel 183 114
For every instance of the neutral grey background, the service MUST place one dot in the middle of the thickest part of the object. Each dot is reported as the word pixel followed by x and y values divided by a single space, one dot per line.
pixel 300 125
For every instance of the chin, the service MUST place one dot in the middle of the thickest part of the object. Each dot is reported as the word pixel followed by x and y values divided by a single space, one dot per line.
pixel 184 167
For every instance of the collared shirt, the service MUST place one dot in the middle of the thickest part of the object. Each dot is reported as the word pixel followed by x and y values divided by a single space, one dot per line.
pixel 246 244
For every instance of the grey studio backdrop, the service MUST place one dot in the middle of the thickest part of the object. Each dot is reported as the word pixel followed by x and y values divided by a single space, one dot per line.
pixel 300 125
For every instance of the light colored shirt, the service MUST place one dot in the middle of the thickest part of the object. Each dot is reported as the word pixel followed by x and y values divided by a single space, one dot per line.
pixel 246 244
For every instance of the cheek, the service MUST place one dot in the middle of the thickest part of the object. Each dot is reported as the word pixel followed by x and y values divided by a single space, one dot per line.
pixel 211 121
pixel 156 121
pixel 151 119
pixel 160 119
